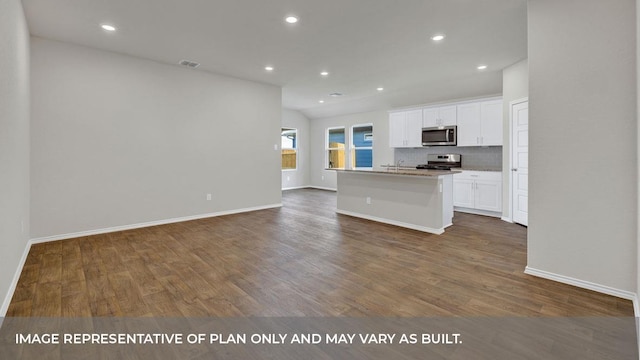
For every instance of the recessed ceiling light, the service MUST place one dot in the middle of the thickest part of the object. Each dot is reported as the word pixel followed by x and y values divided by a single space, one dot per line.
pixel 380 89
pixel 482 67
pixel 321 101
pixel 438 37
pixel 268 68
pixel 324 73
pixel 291 19
pixel 108 27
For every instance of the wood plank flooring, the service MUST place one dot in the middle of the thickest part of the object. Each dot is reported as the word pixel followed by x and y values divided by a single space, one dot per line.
pixel 300 260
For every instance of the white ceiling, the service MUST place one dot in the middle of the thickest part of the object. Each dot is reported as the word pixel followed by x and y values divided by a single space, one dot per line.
pixel 364 44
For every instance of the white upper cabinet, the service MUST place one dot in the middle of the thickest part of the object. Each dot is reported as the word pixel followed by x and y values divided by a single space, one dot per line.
pixel 396 129
pixel 405 129
pixel 439 116
pixel 491 120
pixel 414 128
pixel 469 124
pixel 480 123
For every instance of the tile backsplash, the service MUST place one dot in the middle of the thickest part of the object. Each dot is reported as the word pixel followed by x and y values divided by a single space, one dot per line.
pixel 475 157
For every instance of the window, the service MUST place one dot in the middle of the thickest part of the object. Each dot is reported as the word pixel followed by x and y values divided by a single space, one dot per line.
pixel 335 148
pixel 362 146
pixel 289 149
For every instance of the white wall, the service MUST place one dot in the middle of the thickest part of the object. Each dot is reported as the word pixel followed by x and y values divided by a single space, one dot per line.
pixel 14 144
pixel 637 300
pixel 300 176
pixel 515 86
pixel 582 77
pixel 118 140
pixel 382 153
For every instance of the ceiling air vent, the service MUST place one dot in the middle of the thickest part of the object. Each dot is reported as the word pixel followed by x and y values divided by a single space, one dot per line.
pixel 335 94
pixel 188 63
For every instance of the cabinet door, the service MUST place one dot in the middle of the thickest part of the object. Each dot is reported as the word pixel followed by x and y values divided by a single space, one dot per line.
pixel 413 128
pixel 448 115
pixel 491 120
pixel 469 128
pixel 488 195
pixel 396 129
pixel 463 193
pixel 430 117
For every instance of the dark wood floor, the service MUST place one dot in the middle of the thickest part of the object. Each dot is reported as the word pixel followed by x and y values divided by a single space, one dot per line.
pixel 302 259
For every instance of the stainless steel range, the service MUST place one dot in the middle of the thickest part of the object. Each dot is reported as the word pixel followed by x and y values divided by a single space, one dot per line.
pixel 442 162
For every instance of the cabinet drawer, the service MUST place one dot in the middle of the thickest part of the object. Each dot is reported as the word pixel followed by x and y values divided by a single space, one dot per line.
pixel 479 175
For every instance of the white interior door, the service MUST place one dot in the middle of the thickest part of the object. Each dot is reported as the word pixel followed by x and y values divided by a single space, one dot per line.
pixel 520 161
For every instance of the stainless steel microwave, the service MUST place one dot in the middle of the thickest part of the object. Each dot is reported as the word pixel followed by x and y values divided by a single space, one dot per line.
pixel 440 136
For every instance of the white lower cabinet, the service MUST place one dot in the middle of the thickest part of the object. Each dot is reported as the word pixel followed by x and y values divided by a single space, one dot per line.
pixel 478 192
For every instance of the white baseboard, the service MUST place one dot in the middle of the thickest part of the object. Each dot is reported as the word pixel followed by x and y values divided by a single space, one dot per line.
pixel 16 276
pixel 392 222
pixel 623 294
pixel 14 282
pixel 295 188
pixel 148 224
pixel 506 219
pixel 322 188
pixel 636 308
pixel 478 212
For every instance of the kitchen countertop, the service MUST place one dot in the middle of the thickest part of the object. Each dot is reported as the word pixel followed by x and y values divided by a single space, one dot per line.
pixel 474 168
pixel 401 171
pixel 464 167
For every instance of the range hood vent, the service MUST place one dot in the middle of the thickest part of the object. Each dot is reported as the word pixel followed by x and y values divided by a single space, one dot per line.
pixel 188 63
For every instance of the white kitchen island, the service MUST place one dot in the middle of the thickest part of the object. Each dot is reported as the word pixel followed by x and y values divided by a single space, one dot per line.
pixel 416 199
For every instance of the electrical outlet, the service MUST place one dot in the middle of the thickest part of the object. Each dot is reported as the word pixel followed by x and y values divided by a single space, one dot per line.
pixel 368 200
pixel 275 147
pixel 208 196
pixel 288 178
pixel 322 177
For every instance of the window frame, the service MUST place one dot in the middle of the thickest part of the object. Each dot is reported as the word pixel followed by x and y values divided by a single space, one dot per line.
pixel 353 147
pixel 282 148
pixel 328 149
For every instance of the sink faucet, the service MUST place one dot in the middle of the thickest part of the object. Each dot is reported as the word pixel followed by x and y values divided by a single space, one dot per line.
pixel 398 164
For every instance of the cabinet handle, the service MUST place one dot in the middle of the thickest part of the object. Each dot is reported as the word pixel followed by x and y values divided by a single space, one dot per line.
pixel 514 169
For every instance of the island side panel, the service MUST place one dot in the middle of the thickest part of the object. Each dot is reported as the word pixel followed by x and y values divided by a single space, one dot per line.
pixel 447 200
pixel 410 201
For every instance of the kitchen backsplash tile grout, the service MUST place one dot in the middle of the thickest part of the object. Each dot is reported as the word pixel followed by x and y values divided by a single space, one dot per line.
pixel 474 157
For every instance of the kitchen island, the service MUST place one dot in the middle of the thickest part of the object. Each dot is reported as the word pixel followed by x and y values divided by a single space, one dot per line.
pixel 416 199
